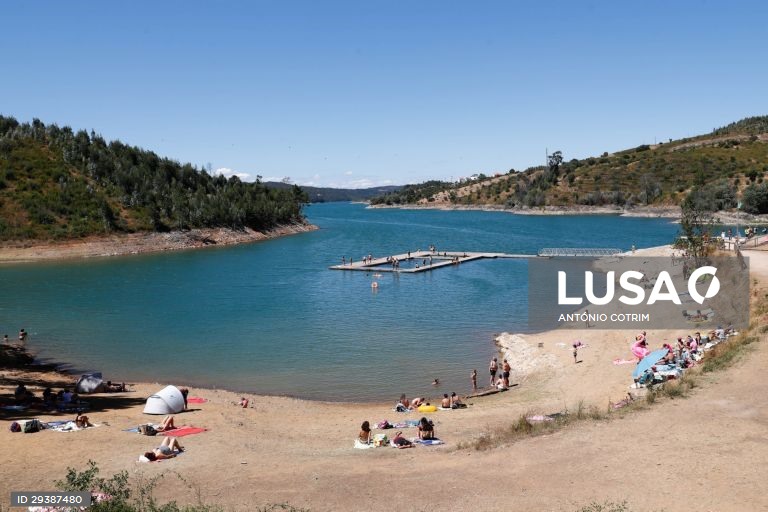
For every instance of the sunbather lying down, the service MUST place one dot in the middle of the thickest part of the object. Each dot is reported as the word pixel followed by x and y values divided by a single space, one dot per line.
pixel 400 442
pixel 168 449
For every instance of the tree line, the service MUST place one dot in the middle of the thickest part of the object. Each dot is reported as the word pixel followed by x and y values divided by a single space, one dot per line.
pixel 60 183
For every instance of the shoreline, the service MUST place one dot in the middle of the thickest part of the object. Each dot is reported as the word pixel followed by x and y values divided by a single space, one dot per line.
pixel 517 346
pixel 671 212
pixel 26 251
pixel 661 212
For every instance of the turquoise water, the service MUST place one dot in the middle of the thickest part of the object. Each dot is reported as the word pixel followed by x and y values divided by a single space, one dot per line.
pixel 271 318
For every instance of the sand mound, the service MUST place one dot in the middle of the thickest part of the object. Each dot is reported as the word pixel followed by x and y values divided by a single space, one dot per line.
pixel 525 358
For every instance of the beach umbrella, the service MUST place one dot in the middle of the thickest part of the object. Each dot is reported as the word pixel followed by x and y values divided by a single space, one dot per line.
pixel 649 360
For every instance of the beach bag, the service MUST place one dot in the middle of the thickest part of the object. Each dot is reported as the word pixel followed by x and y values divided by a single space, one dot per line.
pixel 31 426
pixel 15 427
pixel 147 430
pixel 380 440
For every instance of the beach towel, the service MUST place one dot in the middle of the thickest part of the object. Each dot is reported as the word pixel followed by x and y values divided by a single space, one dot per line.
pixel 57 423
pixel 186 430
pixel 70 426
pixel 427 442
pixel 196 400
pixel 619 361
pixel 362 446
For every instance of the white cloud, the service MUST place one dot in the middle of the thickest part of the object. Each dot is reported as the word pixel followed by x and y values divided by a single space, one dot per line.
pixel 348 173
pixel 227 173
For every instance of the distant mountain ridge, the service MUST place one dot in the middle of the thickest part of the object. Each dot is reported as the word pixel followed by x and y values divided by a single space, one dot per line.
pixel 716 171
pixel 329 195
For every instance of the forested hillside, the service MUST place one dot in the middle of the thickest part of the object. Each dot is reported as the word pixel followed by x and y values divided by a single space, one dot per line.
pixel 715 171
pixel 57 183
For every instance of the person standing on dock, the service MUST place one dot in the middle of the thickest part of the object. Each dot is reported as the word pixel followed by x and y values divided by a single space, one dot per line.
pixel 343 260
pixel 493 368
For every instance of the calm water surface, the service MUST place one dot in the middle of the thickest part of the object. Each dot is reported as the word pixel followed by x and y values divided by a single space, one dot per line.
pixel 271 318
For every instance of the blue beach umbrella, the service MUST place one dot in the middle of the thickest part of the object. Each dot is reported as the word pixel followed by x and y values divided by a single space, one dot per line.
pixel 649 360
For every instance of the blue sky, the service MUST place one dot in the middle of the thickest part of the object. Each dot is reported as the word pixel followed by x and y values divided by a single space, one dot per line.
pixel 364 93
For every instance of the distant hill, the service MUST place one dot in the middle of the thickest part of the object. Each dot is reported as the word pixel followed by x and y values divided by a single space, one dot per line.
pixel 56 183
pixel 714 171
pixel 329 195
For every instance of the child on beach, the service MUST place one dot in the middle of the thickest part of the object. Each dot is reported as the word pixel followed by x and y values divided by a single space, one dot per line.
pixel 576 345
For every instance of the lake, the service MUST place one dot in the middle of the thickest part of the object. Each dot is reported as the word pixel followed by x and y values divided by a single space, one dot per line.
pixel 271 318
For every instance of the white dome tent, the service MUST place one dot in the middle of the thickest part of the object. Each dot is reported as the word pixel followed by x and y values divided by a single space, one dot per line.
pixel 168 400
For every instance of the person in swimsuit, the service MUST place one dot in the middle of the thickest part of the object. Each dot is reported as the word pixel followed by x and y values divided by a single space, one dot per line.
pixel 456 402
pixel 506 368
pixel 167 424
pixel 168 449
pixel 473 377
pixel 400 442
pixel 365 433
pixel 426 429
pixel 82 421
pixel 446 403
pixel 493 368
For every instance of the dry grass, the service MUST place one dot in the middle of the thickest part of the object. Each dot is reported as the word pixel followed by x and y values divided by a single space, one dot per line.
pixel 523 428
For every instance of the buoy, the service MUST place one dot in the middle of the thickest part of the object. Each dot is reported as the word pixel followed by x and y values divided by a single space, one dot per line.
pixel 374 284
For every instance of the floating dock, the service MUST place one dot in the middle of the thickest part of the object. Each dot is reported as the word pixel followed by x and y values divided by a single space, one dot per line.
pixel 434 260
pixel 431 260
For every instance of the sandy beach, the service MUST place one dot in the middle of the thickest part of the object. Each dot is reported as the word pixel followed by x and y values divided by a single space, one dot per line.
pixel 285 450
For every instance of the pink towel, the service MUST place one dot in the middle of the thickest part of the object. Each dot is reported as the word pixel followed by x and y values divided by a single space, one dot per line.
pixel 186 430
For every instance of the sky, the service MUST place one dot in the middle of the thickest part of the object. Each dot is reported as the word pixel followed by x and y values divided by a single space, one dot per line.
pixel 368 93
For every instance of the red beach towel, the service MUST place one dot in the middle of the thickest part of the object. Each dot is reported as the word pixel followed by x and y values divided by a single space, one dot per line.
pixel 196 400
pixel 186 430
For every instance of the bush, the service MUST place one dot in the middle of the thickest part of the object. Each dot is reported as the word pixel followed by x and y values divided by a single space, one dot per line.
pixel 755 199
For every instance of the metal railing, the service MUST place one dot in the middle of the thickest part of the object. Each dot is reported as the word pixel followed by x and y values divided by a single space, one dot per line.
pixel 581 252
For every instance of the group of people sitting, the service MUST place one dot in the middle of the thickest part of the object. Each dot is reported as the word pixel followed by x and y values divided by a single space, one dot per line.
pixel 685 353
pixel 24 396
pixel 448 402
pixel 452 402
pixel 426 432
